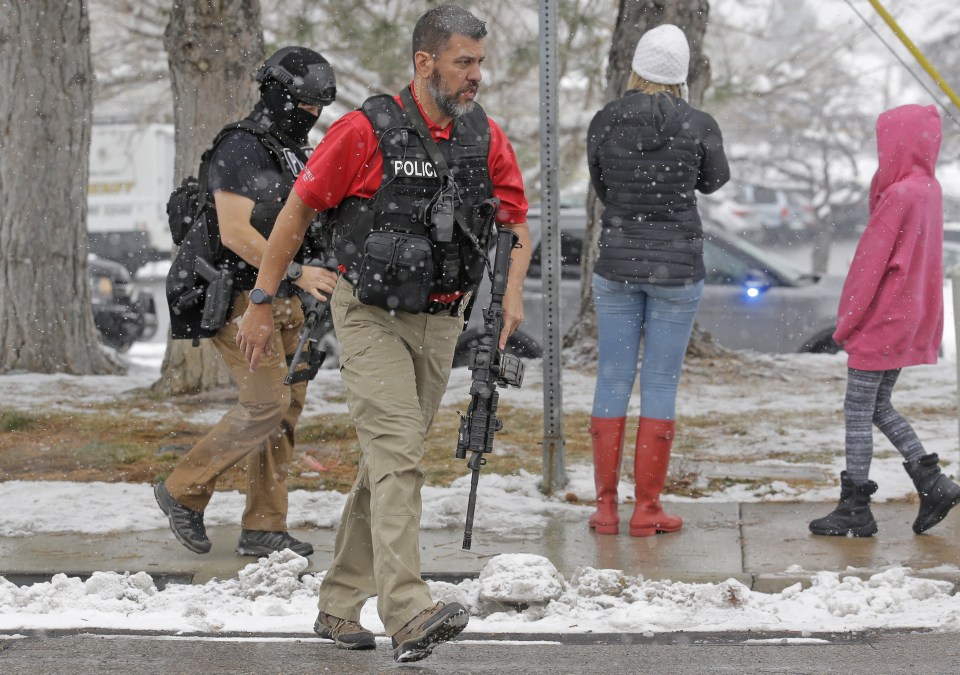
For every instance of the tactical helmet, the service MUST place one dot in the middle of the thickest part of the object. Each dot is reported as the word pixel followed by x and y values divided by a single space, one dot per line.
pixel 305 74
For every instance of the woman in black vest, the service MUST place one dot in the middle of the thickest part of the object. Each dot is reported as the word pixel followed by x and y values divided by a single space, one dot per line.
pixel 648 152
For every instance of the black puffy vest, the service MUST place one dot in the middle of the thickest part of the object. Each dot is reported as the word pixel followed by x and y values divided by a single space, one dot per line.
pixel 647 155
pixel 409 185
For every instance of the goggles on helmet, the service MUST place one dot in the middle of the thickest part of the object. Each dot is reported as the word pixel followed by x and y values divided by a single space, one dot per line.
pixel 317 87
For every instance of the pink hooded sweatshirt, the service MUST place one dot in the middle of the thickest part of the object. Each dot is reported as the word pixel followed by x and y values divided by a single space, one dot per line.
pixel 891 310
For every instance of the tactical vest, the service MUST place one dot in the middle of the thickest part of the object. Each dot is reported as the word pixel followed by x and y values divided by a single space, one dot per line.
pixel 290 159
pixel 197 235
pixel 409 188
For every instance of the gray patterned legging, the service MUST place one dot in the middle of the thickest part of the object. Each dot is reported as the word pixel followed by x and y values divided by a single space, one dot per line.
pixel 868 402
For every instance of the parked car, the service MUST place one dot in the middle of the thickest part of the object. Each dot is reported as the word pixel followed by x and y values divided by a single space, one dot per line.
pixel 122 312
pixel 801 216
pixel 751 300
pixel 759 212
pixel 728 214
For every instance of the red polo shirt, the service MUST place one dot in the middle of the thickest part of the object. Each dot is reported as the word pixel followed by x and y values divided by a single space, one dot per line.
pixel 346 163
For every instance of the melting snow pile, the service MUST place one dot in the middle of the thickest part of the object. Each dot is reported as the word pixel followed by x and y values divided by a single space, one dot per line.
pixel 514 593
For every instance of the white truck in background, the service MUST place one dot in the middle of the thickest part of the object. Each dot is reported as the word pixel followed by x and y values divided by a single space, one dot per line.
pixel 131 177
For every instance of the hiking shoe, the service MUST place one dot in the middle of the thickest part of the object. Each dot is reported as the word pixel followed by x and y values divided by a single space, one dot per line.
pixel 417 639
pixel 187 524
pixel 347 634
pixel 261 543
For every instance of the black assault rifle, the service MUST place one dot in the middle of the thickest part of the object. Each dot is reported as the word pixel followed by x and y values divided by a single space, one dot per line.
pixel 314 328
pixel 316 315
pixel 490 367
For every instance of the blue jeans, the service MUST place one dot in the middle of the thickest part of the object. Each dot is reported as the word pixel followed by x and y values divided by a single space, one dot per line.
pixel 624 311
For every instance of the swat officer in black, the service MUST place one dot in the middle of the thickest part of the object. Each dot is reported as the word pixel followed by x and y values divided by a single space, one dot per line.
pixel 249 174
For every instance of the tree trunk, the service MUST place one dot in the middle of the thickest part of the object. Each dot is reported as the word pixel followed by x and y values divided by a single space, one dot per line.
pixel 214 47
pixel 46 316
pixel 634 18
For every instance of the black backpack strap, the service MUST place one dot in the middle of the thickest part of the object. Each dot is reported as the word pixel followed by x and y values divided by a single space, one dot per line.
pixel 413 112
pixel 270 141
pixel 273 139
pixel 204 171
pixel 384 114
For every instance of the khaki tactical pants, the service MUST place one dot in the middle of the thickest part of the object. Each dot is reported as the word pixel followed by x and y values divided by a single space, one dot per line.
pixel 395 368
pixel 259 428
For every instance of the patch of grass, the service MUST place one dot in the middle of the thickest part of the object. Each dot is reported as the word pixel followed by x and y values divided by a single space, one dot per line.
pixel 684 485
pixel 518 446
pixel 12 420
pixel 698 422
pixel 104 444
pixel 96 445
pixel 719 483
pixel 928 411
pixel 325 429
pixel 130 454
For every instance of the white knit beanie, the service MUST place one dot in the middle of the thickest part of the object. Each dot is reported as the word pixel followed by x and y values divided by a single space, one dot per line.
pixel 662 55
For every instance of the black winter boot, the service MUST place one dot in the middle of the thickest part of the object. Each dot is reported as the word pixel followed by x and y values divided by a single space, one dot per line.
pixel 938 494
pixel 852 515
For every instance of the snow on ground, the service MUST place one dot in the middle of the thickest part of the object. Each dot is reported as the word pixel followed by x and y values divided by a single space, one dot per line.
pixel 271 596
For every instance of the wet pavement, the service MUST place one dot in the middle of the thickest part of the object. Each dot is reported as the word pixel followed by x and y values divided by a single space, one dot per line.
pixel 766 546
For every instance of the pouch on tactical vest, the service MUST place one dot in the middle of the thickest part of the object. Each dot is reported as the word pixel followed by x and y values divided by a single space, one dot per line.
pixel 395 271
pixel 184 207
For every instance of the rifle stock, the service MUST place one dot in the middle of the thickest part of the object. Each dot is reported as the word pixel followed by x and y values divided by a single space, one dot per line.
pixel 490 366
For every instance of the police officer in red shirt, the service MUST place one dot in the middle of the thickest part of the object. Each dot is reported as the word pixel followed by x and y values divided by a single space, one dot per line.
pixel 411 185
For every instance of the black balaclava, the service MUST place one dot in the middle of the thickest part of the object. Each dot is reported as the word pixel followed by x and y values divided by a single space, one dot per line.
pixel 282 109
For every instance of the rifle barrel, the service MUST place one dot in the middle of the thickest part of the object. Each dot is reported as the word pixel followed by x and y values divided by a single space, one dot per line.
pixel 472 500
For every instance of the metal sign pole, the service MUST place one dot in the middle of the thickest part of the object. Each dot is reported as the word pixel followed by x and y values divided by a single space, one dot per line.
pixel 554 470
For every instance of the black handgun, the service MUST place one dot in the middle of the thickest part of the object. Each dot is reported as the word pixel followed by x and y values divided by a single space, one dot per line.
pixel 219 293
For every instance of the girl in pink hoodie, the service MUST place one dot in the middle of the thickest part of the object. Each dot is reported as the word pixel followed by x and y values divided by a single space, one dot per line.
pixel 891 316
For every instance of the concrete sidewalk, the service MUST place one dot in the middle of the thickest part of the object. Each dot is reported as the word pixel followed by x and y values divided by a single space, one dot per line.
pixel 766 546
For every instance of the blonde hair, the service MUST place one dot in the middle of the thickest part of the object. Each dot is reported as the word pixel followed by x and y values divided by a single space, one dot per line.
pixel 648 87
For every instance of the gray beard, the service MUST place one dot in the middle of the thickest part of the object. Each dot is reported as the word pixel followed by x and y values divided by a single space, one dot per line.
pixel 447 103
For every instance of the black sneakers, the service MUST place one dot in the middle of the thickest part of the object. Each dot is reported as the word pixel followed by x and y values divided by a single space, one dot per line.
pixel 187 524
pixel 346 634
pixel 261 543
pixel 417 639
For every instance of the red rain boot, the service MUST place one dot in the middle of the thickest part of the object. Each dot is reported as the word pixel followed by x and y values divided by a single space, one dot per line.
pixel 607 435
pixel 654 439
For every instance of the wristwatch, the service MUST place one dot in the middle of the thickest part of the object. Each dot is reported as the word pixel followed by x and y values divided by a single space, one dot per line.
pixel 258 296
pixel 294 271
